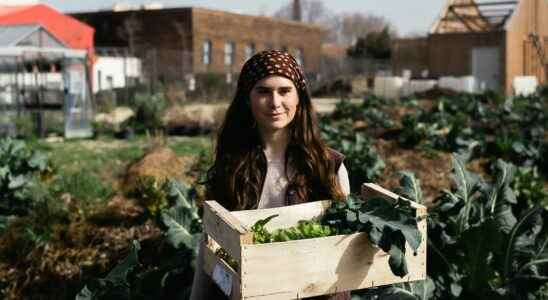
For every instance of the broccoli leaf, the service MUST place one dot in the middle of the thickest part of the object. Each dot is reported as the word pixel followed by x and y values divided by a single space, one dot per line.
pixel 115 285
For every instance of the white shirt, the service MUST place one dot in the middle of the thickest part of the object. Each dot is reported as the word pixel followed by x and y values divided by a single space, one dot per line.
pixel 276 182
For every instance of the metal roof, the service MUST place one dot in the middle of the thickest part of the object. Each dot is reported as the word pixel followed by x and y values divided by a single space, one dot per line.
pixel 10 35
pixel 18 51
pixel 474 16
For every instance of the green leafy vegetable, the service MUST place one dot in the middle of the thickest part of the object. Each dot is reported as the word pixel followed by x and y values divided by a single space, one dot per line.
pixel 388 225
pixel 115 285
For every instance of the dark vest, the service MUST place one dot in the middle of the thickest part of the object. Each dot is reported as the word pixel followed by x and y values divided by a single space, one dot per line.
pixel 335 159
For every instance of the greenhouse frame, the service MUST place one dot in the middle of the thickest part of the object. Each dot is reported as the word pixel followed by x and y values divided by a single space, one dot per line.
pixel 43 83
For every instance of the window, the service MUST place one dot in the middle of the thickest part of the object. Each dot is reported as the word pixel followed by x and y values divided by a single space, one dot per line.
pixel 299 57
pixel 206 52
pixel 249 50
pixel 229 53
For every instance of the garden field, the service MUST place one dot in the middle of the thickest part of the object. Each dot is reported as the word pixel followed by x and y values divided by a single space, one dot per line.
pixel 111 218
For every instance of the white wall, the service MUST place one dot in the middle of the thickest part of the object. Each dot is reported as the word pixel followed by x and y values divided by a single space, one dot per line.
pixel 109 72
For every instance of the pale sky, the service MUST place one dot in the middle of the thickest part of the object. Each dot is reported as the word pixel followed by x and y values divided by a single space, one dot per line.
pixel 406 15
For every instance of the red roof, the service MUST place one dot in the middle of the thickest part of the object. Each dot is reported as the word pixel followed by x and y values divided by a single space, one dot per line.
pixel 72 32
pixel 6 10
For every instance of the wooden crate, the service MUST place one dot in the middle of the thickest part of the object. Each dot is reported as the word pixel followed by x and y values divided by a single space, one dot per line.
pixel 301 268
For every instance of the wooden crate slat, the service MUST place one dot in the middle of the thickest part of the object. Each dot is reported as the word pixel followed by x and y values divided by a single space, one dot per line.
pixel 288 215
pixel 374 190
pixel 225 229
pixel 211 260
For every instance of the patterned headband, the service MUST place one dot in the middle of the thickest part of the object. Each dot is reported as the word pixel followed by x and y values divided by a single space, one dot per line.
pixel 271 62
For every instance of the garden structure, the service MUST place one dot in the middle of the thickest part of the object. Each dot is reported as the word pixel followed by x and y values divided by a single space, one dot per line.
pixel 493 41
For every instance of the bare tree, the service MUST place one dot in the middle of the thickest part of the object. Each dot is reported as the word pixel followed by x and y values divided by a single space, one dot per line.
pixel 342 28
pixel 315 11
pixel 356 25
pixel 129 31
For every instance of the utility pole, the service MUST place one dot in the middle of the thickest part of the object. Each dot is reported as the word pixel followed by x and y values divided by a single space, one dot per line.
pixel 297 12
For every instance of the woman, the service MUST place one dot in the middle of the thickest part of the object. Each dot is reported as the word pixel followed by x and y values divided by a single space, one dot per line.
pixel 269 152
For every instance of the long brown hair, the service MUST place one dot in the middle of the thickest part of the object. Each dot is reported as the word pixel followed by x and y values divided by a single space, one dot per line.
pixel 237 176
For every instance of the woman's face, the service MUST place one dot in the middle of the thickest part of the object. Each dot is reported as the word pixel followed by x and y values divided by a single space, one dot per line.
pixel 273 102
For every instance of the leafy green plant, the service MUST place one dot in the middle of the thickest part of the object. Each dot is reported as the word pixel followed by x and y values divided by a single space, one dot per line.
pixel 377 118
pixel 345 109
pixel 415 132
pixel 475 222
pixel 149 110
pixel 148 191
pixel 410 187
pixel 170 277
pixel 525 261
pixel 115 284
pixel 529 188
pixel 363 162
pixel 222 254
pixel 305 229
pixel 21 172
pixel 181 222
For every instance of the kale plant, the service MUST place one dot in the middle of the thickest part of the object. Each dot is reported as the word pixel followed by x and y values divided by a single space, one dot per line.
pixel 172 276
pixel 363 162
pixel 480 245
pixel 21 172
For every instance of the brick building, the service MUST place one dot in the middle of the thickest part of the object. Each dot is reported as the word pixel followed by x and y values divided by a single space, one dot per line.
pixel 175 42
pixel 493 41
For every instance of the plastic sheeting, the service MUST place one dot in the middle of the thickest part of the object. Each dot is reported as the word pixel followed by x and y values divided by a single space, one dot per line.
pixel 417 86
pixel 465 84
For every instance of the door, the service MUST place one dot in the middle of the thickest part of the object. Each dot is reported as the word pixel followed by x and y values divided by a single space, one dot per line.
pixel 486 68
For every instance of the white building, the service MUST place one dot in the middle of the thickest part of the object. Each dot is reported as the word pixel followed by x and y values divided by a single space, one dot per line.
pixel 111 72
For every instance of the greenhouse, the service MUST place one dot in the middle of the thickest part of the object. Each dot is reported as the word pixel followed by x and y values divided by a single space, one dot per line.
pixel 44 85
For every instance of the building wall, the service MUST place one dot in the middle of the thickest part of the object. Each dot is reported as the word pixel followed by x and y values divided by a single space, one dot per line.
pixel 169 41
pixel 410 54
pixel 139 28
pixel 450 53
pixel 221 27
pixel 531 16
pixel 162 39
